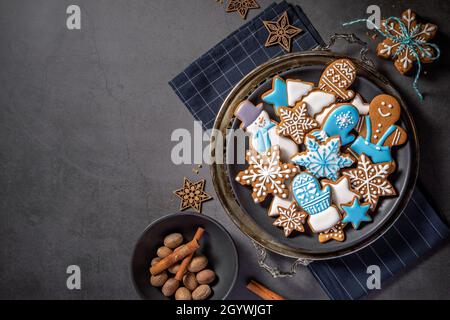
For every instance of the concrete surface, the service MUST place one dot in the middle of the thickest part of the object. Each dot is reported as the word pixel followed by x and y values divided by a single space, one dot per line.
pixel 85 124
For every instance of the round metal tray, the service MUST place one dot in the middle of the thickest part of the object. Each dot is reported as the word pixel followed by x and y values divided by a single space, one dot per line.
pixel 253 219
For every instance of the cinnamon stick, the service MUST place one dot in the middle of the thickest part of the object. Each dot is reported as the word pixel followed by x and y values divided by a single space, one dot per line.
pixel 174 257
pixel 184 264
pixel 262 291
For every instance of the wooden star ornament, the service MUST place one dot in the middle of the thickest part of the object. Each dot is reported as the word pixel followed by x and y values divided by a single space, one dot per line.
pixel 281 32
pixel 192 195
pixel 241 6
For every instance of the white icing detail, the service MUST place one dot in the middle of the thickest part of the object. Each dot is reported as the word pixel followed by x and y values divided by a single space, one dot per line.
pixel 359 103
pixel 384 115
pixel 296 90
pixel 324 220
pixel 340 191
pixel 317 100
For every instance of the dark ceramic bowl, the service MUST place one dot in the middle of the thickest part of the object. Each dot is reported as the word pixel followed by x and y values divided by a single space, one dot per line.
pixel 216 244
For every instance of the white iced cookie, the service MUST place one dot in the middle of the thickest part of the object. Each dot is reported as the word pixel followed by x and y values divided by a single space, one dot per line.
pixel 341 192
pixel 317 100
pixel 297 89
pixel 279 202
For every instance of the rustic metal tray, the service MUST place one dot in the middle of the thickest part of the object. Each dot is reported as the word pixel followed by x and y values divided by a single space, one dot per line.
pixel 252 219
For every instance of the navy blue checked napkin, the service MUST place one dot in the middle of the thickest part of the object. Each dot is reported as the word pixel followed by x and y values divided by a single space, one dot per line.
pixel 205 84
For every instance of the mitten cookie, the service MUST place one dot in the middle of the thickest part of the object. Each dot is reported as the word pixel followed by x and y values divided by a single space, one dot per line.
pixel 337 78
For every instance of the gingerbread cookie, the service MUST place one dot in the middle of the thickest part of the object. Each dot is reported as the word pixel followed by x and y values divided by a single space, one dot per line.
pixel 290 219
pixel 355 213
pixel 334 233
pixel 316 202
pixel 263 134
pixel 417 33
pixel 339 122
pixel 277 96
pixel 323 159
pixel 297 89
pixel 379 132
pixel 266 174
pixel 279 202
pixel 341 191
pixel 337 78
pixel 370 180
pixel 295 122
pixel 192 195
pixel 317 100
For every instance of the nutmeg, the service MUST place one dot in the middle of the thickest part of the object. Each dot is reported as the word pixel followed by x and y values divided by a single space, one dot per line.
pixel 198 264
pixel 174 269
pixel 173 240
pixel 155 261
pixel 163 252
pixel 159 279
pixel 202 292
pixel 190 281
pixel 205 276
pixel 183 294
pixel 170 287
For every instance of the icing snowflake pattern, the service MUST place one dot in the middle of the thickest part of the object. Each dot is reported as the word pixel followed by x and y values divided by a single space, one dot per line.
pixel 400 51
pixel 370 180
pixel 323 160
pixel 266 174
pixel 344 120
pixel 291 219
pixel 295 122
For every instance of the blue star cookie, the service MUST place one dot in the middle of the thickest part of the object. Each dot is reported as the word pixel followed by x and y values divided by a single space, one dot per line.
pixel 356 213
pixel 277 96
pixel 323 160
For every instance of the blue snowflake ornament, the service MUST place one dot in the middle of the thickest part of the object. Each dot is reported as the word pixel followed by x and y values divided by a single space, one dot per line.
pixel 323 160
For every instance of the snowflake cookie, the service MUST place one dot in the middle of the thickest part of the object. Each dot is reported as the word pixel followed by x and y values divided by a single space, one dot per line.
pixel 370 180
pixel 266 174
pixel 295 122
pixel 323 160
pixel 395 49
pixel 291 219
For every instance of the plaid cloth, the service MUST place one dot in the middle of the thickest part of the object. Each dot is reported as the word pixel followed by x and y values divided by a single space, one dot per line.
pixel 204 85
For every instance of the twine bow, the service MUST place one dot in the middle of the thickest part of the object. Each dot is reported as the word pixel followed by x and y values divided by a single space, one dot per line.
pixel 407 40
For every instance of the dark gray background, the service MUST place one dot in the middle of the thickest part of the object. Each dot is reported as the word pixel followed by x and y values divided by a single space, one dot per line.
pixel 85 125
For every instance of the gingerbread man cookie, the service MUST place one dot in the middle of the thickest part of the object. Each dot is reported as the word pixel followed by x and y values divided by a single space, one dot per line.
pixel 337 78
pixel 379 132
pixel 266 174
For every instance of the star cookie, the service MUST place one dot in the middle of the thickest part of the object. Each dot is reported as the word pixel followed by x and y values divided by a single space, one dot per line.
pixel 341 192
pixel 277 96
pixel 323 159
pixel 192 195
pixel 295 122
pixel 266 174
pixel 336 233
pixel 400 52
pixel 281 32
pixel 291 219
pixel 356 213
pixel 241 6
pixel 370 180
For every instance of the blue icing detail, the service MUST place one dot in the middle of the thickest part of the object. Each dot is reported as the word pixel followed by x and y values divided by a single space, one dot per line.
pixel 323 160
pixel 341 121
pixel 356 213
pixel 309 195
pixel 278 96
pixel 376 152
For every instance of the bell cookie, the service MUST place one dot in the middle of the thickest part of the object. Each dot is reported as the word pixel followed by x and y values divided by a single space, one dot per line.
pixel 323 160
pixel 295 122
pixel 370 181
pixel 266 174
pixel 379 132
pixel 337 78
